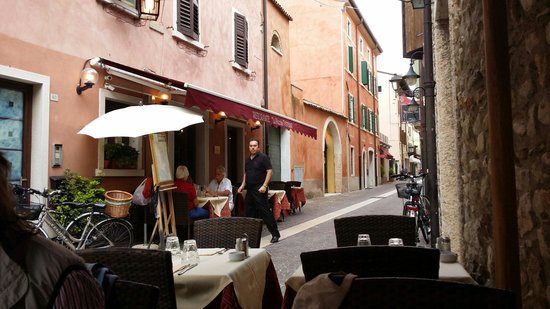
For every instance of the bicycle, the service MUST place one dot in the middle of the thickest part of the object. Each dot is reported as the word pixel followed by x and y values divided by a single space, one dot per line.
pixel 91 229
pixel 415 203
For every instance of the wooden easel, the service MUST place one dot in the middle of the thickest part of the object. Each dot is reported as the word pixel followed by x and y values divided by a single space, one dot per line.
pixel 162 179
pixel 166 222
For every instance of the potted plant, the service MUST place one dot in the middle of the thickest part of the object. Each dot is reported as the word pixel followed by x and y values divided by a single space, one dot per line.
pixel 110 152
pixel 127 156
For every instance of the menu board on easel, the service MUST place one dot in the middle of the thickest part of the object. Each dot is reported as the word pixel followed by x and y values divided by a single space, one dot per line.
pixel 161 165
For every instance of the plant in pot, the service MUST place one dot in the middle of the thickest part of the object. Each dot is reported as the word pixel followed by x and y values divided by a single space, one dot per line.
pixel 110 153
pixel 127 157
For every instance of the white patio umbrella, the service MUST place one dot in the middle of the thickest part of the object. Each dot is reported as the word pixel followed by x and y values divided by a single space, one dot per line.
pixel 136 121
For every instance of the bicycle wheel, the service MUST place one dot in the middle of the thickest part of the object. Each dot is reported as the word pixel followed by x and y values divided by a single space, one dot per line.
pixel 110 233
pixel 76 226
pixel 424 218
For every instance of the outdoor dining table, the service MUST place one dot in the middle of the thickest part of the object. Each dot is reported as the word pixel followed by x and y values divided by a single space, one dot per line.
pixel 217 282
pixel 298 196
pixel 454 272
pixel 218 206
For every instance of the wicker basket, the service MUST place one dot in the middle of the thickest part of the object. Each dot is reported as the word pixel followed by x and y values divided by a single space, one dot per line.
pixel 117 203
pixel 402 191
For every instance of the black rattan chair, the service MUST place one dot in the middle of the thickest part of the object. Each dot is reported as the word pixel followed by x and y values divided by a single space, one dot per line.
pixel 276 185
pixel 380 228
pixel 152 267
pixel 130 295
pixel 424 293
pixel 373 261
pixel 222 232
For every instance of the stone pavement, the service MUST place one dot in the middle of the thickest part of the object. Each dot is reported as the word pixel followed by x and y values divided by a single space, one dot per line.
pixel 313 228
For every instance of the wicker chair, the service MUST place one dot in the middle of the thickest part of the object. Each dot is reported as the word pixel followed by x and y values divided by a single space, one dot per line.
pixel 130 294
pixel 181 214
pixel 373 261
pixel 222 232
pixel 379 227
pixel 152 267
pixel 276 185
pixel 424 293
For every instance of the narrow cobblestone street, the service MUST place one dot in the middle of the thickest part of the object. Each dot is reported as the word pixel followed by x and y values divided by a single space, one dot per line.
pixel 313 228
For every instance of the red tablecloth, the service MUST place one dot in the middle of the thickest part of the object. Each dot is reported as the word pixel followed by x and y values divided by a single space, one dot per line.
pixel 272 299
pixel 278 206
pixel 298 196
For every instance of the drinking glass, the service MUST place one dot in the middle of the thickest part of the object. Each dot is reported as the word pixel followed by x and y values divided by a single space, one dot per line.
pixel 190 254
pixel 173 245
pixel 395 242
pixel 363 240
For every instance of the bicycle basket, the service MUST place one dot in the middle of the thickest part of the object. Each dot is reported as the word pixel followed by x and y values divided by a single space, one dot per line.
pixel 117 203
pixel 402 191
pixel 29 211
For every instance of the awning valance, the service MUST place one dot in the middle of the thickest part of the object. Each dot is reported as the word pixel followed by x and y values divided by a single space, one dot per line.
pixel 208 100
pixel 385 153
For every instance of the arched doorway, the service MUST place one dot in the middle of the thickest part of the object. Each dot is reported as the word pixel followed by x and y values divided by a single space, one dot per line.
pixel 372 170
pixel 332 153
pixel 364 169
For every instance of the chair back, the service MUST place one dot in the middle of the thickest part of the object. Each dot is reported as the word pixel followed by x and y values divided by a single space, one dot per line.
pixel 181 213
pixel 380 228
pixel 152 267
pixel 222 232
pixel 373 261
pixel 424 293
pixel 130 295
pixel 276 185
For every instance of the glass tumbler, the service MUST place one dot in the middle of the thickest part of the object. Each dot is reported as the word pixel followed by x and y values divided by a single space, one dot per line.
pixel 363 240
pixel 190 253
pixel 395 242
pixel 173 245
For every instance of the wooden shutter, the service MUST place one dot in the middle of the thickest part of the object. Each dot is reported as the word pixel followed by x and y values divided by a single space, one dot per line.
pixel 188 18
pixel 363 116
pixel 364 73
pixel 241 40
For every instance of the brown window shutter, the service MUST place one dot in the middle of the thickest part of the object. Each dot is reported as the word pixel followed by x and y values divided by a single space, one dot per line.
pixel 241 40
pixel 188 18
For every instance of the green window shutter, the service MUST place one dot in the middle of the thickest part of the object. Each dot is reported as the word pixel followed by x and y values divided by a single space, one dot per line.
pixel 352 109
pixel 375 87
pixel 368 120
pixel 373 122
pixel 350 59
pixel 364 73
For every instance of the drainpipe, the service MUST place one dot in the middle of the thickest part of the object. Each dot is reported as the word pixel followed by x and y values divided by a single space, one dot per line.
pixel 266 96
pixel 501 150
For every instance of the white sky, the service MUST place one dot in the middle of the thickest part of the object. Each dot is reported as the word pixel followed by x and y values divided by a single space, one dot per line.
pixel 384 19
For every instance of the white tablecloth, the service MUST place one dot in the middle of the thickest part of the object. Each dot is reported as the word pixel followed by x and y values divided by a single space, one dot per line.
pixel 218 202
pixel 199 286
pixel 447 272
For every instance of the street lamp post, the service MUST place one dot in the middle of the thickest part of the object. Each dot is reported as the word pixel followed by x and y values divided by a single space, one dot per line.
pixel 429 95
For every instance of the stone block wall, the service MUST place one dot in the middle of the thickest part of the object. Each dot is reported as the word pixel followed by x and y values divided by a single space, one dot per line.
pixel 529 41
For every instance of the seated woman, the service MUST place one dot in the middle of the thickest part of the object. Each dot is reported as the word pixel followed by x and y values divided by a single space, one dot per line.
pixel 221 185
pixel 183 184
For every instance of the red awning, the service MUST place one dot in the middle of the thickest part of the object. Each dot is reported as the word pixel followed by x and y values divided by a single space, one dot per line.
pixel 385 153
pixel 207 100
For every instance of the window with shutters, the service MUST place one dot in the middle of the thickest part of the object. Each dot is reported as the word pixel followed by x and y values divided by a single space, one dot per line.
pixel 351 108
pixel 188 18
pixel 369 122
pixel 364 73
pixel 241 40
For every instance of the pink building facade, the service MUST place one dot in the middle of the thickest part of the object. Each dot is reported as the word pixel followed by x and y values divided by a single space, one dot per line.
pixel 205 56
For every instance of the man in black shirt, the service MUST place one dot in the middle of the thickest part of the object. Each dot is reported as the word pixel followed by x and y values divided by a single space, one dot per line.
pixel 257 173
